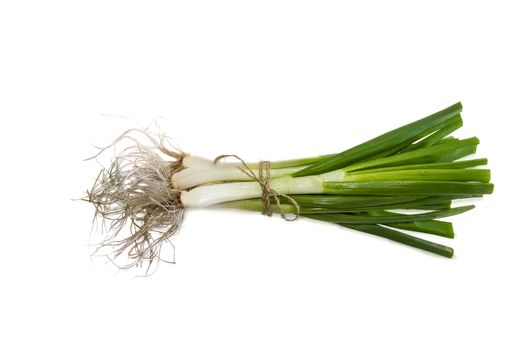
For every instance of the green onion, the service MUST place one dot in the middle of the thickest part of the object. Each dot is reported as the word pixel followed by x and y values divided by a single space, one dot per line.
pixel 435 227
pixel 447 152
pixel 404 238
pixel 427 188
pixel 388 218
pixel 410 132
pixel 450 165
pixel 417 167
pixel 481 175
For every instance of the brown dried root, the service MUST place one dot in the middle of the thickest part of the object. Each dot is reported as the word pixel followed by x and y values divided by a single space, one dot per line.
pixel 139 209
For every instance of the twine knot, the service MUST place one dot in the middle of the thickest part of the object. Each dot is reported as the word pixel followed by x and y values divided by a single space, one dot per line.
pixel 267 193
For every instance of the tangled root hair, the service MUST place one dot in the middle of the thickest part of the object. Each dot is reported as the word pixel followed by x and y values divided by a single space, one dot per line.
pixel 139 208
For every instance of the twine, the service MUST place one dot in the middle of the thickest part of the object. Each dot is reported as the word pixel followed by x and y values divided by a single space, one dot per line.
pixel 263 179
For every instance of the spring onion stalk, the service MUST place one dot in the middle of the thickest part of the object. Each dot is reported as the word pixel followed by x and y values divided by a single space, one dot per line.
pixel 416 168
pixel 206 172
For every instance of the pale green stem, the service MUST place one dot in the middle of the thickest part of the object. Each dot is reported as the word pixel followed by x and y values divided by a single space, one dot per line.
pixel 198 171
pixel 207 195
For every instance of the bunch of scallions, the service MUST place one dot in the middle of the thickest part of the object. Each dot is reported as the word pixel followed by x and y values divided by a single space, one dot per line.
pixel 401 181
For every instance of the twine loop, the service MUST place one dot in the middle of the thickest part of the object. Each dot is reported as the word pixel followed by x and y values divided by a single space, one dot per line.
pixel 267 193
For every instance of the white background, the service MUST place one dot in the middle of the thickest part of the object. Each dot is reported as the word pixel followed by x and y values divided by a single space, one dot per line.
pixel 264 80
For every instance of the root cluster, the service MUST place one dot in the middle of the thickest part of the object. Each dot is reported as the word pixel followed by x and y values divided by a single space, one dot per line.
pixel 139 208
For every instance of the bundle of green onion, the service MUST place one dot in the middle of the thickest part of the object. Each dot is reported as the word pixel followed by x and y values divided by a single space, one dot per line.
pixel 368 188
